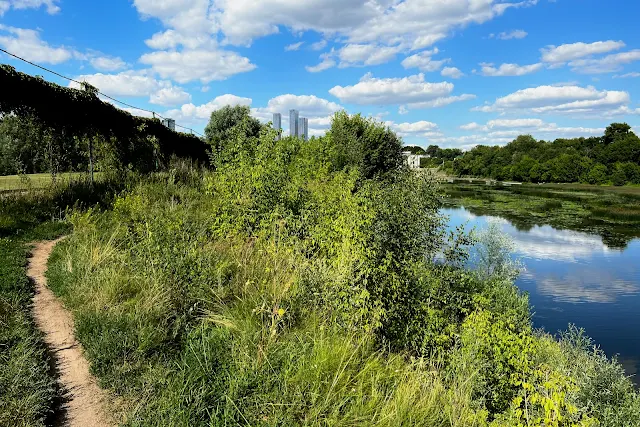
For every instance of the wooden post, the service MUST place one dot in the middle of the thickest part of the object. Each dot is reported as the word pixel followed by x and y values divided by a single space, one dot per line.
pixel 91 160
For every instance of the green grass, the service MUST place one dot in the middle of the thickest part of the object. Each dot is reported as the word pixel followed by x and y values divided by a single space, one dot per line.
pixel 194 330
pixel 38 180
pixel 28 389
pixel 28 392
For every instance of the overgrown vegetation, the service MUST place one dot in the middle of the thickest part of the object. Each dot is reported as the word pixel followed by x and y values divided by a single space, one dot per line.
pixel 45 127
pixel 28 390
pixel 301 283
pixel 613 158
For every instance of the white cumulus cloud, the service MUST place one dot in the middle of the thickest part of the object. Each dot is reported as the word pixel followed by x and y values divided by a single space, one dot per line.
pixel 27 44
pixel 170 96
pixel 293 46
pixel 509 69
pixel 452 72
pixel 607 64
pixel 569 52
pixel 200 64
pixel 390 25
pixel 51 5
pixel 515 34
pixel 106 63
pixel 424 62
pixel 575 100
pixel 412 91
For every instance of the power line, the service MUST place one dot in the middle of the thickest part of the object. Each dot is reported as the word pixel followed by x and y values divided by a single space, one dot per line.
pixel 100 93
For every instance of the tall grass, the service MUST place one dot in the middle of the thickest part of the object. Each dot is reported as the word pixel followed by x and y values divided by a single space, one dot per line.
pixel 28 391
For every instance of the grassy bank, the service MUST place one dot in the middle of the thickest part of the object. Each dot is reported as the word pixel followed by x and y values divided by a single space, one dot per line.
pixel 28 392
pixel 611 212
pixel 27 386
pixel 287 288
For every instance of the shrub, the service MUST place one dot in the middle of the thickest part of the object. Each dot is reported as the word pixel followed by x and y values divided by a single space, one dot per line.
pixel 363 143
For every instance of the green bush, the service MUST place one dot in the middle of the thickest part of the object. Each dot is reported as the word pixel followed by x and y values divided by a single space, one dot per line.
pixel 365 144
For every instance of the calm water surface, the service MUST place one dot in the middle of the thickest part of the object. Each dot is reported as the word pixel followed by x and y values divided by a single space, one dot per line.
pixel 573 277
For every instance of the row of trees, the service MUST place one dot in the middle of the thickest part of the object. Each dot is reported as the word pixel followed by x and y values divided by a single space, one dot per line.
pixel 613 158
pixel 357 142
pixel 45 127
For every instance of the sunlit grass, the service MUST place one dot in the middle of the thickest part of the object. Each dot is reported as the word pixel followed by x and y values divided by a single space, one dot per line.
pixel 39 180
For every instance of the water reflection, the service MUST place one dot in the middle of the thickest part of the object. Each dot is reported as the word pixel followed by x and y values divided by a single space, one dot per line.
pixel 586 289
pixel 576 277
pixel 539 242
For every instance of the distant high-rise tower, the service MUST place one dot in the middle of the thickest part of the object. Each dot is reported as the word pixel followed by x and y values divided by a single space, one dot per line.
pixel 277 124
pixel 293 123
pixel 303 128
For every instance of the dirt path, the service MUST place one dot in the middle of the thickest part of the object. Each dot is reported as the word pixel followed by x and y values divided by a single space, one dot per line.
pixel 84 400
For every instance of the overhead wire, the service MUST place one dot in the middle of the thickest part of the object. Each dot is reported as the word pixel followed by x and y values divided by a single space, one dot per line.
pixel 100 93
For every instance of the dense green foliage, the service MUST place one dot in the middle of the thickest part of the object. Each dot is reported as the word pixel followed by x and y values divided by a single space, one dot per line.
pixel 613 158
pixel 361 143
pixel 287 288
pixel 49 128
pixel 224 121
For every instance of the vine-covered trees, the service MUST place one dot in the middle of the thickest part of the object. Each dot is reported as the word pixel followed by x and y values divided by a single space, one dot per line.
pixel 54 124
pixel 613 158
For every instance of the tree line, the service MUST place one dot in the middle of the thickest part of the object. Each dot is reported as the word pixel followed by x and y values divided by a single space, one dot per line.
pixel 613 158
pixel 45 127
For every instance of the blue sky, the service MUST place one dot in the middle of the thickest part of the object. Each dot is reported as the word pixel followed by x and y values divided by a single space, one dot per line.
pixel 450 72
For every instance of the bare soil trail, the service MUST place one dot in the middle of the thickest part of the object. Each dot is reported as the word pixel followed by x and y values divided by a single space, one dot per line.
pixel 83 404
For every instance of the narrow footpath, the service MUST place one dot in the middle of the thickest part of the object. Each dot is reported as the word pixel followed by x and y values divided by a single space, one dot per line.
pixel 83 404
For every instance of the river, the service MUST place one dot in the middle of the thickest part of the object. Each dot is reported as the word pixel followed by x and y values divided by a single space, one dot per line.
pixel 574 277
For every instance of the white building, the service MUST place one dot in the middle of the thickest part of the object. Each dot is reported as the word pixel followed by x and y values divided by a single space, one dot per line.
pixel 413 160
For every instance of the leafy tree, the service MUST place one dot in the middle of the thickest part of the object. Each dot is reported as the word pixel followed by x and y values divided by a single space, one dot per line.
pixel 433 150
pixel 413 149
pixel 223 123
pixel 619 177
pixel 521 171
pixel 615 131
pixel 597 174
pixel 562 160
pixel 370 146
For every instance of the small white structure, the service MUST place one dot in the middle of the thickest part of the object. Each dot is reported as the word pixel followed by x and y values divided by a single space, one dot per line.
pixel 413 160
pixel 170 123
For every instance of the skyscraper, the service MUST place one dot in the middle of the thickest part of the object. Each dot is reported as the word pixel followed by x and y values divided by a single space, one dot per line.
pixel 277 124
pixel 303 128
pixel 293 123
